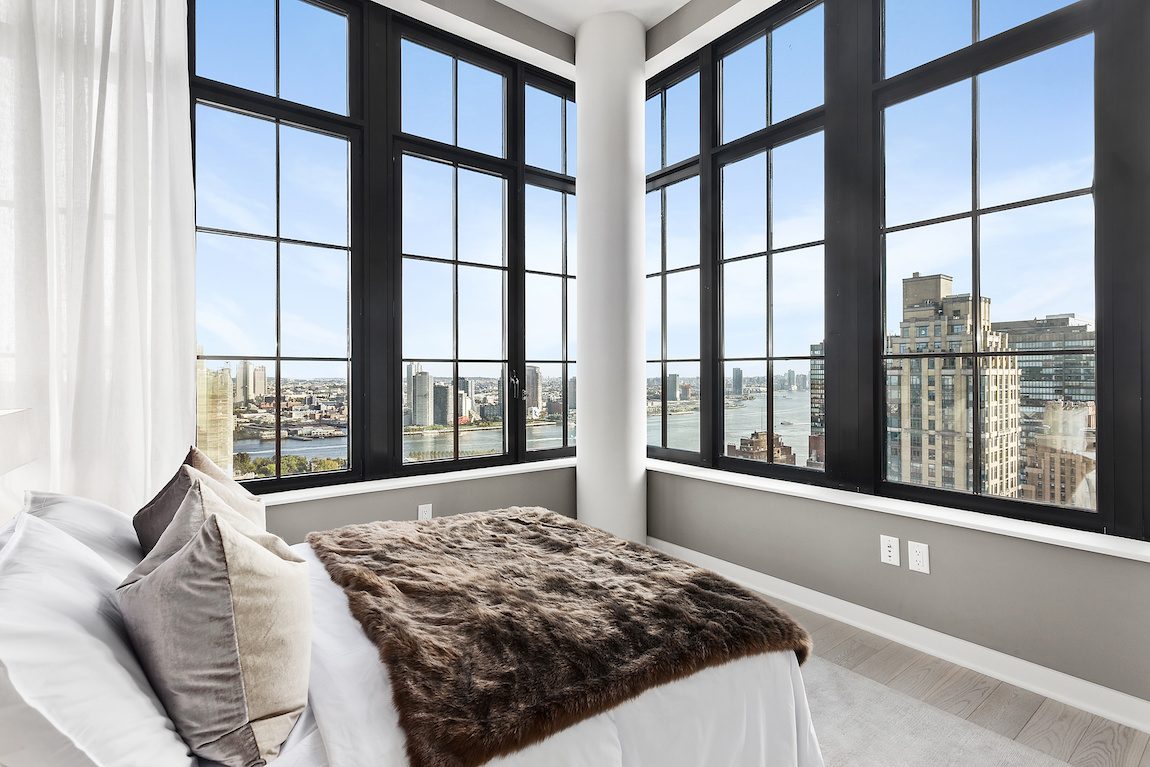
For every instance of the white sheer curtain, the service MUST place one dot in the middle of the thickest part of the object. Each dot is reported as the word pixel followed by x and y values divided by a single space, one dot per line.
pixel 96 244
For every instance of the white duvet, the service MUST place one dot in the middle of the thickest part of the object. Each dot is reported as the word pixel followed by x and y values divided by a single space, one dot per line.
pixel 747 713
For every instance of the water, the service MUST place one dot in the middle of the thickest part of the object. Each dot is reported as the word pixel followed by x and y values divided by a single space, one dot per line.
pixel 792 407
pixel 334 447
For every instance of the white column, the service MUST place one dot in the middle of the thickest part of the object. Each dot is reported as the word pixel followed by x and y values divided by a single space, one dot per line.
pixel 610 61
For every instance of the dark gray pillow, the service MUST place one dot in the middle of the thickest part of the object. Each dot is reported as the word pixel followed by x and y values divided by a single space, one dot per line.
pixel 151 521
pixel 222 628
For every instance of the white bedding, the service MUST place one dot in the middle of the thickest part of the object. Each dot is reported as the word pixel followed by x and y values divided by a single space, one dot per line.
pixel 748 713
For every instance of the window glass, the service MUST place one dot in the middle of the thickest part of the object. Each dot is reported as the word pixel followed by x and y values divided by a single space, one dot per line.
pixel 480 109
pixel 682 107
pixel 745 206
pixel 743 84
pixel 313 301
pixel 236 43
pixel 544 129
pixel 683 314
pixel 745 308
pixel 482 212
pixel 996 16
pixel 682 217
pixel 235 318
pixel 797 301
pixel 797 65
pixel 428 300
pixel 314 186
pixel 235 171
pixel 313 55
pixel 653 122
pixel 451 100
pixel 797 192
pixel 683 408
pixel 655 404
pixel 916 32
pixel 428 208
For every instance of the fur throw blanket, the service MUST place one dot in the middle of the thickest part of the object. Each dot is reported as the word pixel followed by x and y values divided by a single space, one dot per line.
pixel 503 627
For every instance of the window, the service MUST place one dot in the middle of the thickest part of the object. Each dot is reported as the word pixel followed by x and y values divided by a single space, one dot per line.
pixel 372 246
pixel 939 253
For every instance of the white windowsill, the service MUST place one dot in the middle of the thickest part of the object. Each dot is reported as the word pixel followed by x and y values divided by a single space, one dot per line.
pixel 422 480
pixel 1111 545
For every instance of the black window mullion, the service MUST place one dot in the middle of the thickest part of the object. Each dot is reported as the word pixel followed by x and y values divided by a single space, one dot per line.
pixel 978 485
pixel 712 376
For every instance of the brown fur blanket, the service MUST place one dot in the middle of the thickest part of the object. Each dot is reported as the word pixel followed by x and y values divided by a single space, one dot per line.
pixel 503 627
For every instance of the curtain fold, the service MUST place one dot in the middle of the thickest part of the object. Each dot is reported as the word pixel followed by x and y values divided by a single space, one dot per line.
pixel 97 234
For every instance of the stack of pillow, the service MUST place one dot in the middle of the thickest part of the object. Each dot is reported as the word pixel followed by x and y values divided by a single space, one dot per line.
pixel 132 641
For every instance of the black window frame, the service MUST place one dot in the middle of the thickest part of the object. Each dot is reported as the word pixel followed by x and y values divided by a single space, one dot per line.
pixel 855 95
pixel 373 126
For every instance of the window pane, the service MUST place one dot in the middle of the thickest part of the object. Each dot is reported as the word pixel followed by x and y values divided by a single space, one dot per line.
pixel 929 421
pixel 918 32
pixel 544 229
pixel 683 406
pixel 481 109
pixel 683 120
pixel 313 301
pixel 745 207
pixel 655 404
pixel 1036 125
pixel 544 385
pixel 572 138
pixel 544 317
pixel 683 223
pixel 571 401
pixel 428 298
pixel 428 208
pixel 427 93
pixel 482 217
pixel 928 155
pixel 313 418
pixel 572 235
pixel 313 55
pixel 797 192
pixel 236 43
pixel 1056 449
pixel 797 65
pixel 927 280
pixel 572 320
pixel 544 126
pixel 745 410
pixel 654 311
pixel 654 232
pixel 745 308
pixel 683 315
pixel 996 16
pixel 800 443
pixel 313 186
pixel 428 431
pixel 653 143
pixel 216 421
pixel 797 302
pixel 1038 261
pixel 744 90
pixel 235 317
pixel 481 313
pixel 479 408
pixel 235 171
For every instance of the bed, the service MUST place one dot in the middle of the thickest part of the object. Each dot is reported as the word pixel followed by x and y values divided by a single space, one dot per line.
pixel 78 686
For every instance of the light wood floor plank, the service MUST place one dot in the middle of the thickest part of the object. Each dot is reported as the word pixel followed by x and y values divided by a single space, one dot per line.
pixel 920 677
pixel 830 635
pixel 1055 729
pixel 854 650
pixel 1146 757
pixel 1106 744
pixel 1007 710
pixel 888 663
pixel 961 691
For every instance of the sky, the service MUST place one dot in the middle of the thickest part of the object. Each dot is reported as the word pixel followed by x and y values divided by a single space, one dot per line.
pixel 1035 138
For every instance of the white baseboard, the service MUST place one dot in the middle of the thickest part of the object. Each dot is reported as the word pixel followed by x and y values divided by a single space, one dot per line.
pixel 1103 701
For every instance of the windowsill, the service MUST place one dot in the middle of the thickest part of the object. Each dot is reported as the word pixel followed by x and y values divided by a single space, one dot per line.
pixel 1110 545
pixel 422 480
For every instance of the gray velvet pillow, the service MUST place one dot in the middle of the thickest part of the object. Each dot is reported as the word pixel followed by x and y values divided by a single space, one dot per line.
pixel 151 521
pixel 222 628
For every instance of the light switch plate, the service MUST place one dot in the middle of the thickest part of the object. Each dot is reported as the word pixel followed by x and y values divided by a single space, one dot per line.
pixel 918 557
pixel 888 550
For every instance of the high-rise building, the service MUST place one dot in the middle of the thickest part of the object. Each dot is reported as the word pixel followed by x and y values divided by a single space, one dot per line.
pixel 818 384
pixel 422 399
pixel 215 415
pixel 571 393
pixel 672 387
pixel 1060 462
pixel 737 382
pixel 533 384
pixel 802 382
pixel 791 380
pixel 930 398
pixel 762 446
pixel 413 369
pixel 245 383
pixel 444 407
pixel 259 382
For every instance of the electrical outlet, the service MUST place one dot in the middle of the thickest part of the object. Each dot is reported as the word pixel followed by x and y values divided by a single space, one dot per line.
pixel 888 550
pixel 918 556
pixel 425 511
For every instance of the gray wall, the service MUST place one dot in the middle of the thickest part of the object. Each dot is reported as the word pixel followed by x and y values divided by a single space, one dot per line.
pixel 686 20
pixel 1084 614
pixel 553 489
pixel 510 23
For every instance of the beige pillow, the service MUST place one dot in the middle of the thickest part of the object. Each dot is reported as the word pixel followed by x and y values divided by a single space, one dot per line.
pixel 198 459
pixel 151 521
pixel 222 629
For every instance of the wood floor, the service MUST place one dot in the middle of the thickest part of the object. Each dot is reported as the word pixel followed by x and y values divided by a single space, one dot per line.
pixel 1063 732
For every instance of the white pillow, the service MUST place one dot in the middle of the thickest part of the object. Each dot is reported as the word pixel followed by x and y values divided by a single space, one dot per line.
pixel 101 528
pixel 72 693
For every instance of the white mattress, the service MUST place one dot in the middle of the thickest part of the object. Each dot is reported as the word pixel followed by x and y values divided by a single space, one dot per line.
pixel 747 713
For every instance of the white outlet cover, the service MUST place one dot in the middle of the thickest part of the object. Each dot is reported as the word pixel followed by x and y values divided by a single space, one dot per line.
pixel 425 511
pixel 918 556
pixel 889 550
